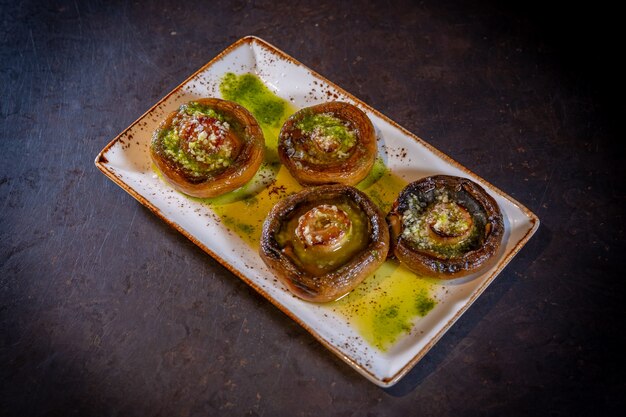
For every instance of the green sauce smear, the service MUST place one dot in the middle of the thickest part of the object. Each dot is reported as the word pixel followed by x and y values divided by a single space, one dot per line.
pixel 386 304
pixel 267 108
pixel 331 128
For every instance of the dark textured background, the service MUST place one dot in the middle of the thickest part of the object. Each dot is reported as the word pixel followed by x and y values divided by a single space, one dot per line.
pixel 106 311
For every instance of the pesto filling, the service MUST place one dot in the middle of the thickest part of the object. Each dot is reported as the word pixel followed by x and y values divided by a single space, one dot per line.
pixel 196 141
pixel 442 214
pixel 330 136
pixel 194 109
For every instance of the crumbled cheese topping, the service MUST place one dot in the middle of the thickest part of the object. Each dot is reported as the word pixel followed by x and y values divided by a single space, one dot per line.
pixel 324 141
pixel 448 219
pixel 442 216
pixel 207 142
pixel 198 140
pixel 329 135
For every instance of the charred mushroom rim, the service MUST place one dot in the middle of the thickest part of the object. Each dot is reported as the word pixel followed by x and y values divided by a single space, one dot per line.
pixel 323 241
pixel 208 147
pixel 332 142
pixel 445 227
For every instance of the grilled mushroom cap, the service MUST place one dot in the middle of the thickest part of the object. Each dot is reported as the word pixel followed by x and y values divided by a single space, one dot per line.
pixel 332 142
pixel 323 241
pixel 445 227
pixel 208 147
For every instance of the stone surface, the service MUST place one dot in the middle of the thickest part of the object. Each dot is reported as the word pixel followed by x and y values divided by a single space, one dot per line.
pixel 105 310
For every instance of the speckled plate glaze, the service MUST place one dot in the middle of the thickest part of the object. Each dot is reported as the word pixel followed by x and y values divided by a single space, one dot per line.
pixel 126 161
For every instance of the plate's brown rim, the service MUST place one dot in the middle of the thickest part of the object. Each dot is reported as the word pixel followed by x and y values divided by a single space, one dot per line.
pixel 101 161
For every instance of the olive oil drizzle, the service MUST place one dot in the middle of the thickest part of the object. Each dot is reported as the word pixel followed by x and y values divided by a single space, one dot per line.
pixel 386 304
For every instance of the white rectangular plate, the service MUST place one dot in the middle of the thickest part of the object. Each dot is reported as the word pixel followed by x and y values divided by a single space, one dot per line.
pixel 126 161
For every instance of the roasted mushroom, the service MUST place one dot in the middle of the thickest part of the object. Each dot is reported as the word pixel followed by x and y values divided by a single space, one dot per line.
pixel 328 143
pixel 323 241
pixel 445 227
pixel 208 147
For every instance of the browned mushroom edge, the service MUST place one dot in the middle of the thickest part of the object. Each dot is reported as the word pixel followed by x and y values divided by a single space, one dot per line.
pixel 425 237
pixel 209 164
pixel 327 282
pixel 332 142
